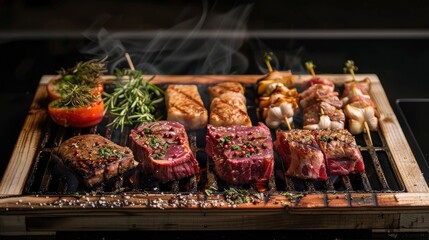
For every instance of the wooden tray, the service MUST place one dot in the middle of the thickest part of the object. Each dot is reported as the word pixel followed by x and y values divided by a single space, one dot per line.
pixel 378 210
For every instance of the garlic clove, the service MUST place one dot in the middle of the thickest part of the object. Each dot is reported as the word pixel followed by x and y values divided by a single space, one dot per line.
pixel 324 122
pixel 272 123
pixel 370 118
pixel 337 125
pixel 355 127
pixel 311 127
pixel 286 109
pixel 275 113
pixel 354 113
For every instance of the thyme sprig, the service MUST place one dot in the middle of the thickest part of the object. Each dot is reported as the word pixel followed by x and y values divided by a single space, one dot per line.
pixel 76 96
pixel 134 100
pixel 84 72
pixel 237 196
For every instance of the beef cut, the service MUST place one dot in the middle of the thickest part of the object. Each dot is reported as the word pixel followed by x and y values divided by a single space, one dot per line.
pixel 162 150
pixel 241 154
pixel 94 158
pixel 301 154
pixel 311 154
pixel 341 151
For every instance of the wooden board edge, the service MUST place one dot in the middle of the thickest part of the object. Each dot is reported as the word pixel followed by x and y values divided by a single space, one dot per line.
pixel 404 162
pixel 24 152
pixel 330 202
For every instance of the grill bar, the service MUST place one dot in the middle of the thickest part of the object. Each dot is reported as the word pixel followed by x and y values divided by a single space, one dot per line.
pixel 49 177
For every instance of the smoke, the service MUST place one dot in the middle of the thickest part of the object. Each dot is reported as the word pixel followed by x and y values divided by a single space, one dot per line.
pixel 288 58
pixel 207 44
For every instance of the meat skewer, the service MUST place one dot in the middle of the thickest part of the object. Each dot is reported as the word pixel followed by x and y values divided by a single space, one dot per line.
pixel 278 97
pixel 310 154
pixel 321 104
pixel 359 107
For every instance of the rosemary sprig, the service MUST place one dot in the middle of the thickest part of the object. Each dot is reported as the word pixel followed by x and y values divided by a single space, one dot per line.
pixel 133 100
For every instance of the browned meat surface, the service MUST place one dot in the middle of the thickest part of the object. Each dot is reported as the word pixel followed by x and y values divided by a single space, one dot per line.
pixel 341 151
pixel 184 105
pixel 363 85
pixel 162 150
pixel 94 158
pixel 301 155
pixel 225 87
pixel 317 80
pixel 229 109
pixel 319 94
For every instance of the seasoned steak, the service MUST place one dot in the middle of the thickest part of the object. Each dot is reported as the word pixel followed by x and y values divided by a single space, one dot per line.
pixel 341 151
pixel 242 154
pixel 94 158
pixel 162 150
pixel 301 155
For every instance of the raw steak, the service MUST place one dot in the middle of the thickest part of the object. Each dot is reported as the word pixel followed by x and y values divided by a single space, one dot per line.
pixel 163 150
pixel 242 154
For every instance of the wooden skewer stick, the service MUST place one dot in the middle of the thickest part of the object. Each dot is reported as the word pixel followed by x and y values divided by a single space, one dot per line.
pixel 365 124
pixel 350 67
pixel 288 123
pixel 310 67
pixel 127 56
pixel 268 56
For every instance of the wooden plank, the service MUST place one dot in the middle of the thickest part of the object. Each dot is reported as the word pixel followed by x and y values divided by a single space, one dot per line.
pixel 404 161
pixel 25 149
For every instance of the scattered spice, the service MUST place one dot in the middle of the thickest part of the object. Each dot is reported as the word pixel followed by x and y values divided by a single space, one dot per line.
pixel 293 197
pixel 109 152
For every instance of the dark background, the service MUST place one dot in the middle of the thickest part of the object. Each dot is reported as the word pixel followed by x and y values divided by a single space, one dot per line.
pixel 390 39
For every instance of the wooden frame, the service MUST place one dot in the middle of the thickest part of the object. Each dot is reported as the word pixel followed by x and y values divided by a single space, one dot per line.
pixel 34 214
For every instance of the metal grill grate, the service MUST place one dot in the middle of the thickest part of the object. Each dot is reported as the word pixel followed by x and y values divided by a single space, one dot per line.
pixel 46 177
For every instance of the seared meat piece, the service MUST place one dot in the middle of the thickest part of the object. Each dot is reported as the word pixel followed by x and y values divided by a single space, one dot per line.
pixel 274 77
pixel 184 105
pixel 241 154
pixel 229 109
pixel 317 93
pixel 225 87
pixel 364 86
pixel 332 118
pixel 317 80
pixel 341 151
pixel 301 155
pixel 276 97
pixel 94 158
pixel 162 150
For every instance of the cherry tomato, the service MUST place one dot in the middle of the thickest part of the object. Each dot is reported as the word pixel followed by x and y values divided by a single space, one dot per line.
pixel 77 117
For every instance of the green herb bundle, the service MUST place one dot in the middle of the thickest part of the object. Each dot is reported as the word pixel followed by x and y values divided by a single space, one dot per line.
pixel 134 100
pixel 84 73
